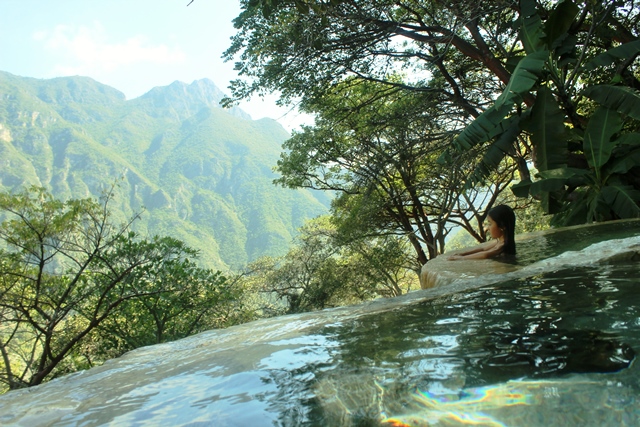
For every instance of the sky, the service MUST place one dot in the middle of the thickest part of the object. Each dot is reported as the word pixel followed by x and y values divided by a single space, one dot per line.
pixel 131 45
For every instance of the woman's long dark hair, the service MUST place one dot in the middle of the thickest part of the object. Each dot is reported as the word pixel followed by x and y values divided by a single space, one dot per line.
pixel 505 219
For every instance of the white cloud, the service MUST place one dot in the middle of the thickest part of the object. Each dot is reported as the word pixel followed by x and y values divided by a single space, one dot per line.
pixel 87 49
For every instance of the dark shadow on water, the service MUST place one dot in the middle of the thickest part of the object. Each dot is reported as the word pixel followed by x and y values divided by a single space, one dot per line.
pixel 549 353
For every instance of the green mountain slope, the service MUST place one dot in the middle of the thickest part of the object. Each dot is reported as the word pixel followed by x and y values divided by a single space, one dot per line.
pixel 203 174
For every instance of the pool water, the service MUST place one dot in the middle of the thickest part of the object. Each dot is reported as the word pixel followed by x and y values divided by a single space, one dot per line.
pixel 536 246
pixel 543 251
pixel 562 333
pixel 550 343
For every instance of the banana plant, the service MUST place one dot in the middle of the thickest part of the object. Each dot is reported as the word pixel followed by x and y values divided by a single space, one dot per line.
pixel 564 118
pixel 602 191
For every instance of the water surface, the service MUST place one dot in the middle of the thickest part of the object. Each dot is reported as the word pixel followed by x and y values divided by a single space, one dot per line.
pixel 550 344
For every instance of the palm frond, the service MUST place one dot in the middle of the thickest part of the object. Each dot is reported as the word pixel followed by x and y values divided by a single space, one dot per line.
pixel 547 132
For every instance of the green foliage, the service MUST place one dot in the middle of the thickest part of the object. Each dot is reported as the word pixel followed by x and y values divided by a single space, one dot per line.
pixel 548 133
pixel 202 173
pixel 177 299
pixel 71 277
pixel 322 271
pixel 518 83
pixel 377 148
pixel 308 278
pixel 581 194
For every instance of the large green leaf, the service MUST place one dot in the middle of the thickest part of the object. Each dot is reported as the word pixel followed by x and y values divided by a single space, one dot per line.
pixel 562 173
pixel 547 132
pixel 502 146
pixel 531 30
pixel 559 22
pixel 547 185
pixel 565 51
pixel 555 179
pixel 598 209
pixel 632 139
pixel 573 214
pixel 551 188
pixel 624 100
pixel 598 142
pixel 550 202
pixel 623 200
pixel 625 156
pixel 524 77
pixel 522 188
pixel 622 52
pixel 480 130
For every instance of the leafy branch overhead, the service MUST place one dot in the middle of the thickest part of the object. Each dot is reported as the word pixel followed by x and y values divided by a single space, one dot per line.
pixel 525 83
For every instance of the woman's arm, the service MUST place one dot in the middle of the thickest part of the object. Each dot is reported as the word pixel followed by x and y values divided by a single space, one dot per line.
pixel 482 252
pixel 473 251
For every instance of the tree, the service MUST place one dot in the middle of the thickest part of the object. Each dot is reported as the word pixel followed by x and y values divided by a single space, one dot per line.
pixel 177 299
pixel 380 266
pixel 583 131
pixel 254 280
pixel 552 62
pixel 66 269
pixel 320 271
pixel 307 278
pixel 378 147
pixel 304 48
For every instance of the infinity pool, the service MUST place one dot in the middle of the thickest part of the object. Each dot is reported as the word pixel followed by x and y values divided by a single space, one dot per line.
pixel 552 350
pixel 550 343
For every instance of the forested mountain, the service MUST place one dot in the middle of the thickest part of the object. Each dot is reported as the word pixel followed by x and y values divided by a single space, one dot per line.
pixel 201 173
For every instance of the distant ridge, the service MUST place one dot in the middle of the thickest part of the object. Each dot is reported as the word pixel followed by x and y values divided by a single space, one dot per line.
pixel 203 173
pixel 187 99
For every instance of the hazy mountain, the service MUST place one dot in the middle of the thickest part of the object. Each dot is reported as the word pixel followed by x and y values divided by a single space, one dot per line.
pixel 204 174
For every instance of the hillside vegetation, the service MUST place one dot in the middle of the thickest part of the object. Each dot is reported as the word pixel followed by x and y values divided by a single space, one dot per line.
pixel 201 173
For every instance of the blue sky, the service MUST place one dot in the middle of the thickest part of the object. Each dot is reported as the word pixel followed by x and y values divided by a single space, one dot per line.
pixel 131 45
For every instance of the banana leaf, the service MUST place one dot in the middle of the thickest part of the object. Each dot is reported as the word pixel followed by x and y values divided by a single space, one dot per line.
pixel 547 185
pixel 559 22
pixel 563 173
pixel 622 199
pixel 547 132
pixel 522 188
pixel 555 179
pixel 502 146
pixel 524 77
pixel 624 100
pixel 622 52
pixel 573 214
pixel 598 209
pixel 565 52
pixel 623 163
pixel 632 139
pixel 531 30
pixel 482 128
pixel 598 143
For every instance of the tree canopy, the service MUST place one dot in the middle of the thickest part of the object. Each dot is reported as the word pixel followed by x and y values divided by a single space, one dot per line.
pixel 377 148
pixel 548 87
pixel 73 280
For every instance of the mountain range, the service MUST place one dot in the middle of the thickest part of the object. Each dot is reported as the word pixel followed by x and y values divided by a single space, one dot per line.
pixel 198 172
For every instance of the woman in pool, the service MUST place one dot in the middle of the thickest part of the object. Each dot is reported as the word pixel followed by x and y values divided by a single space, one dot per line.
pixel 502 223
